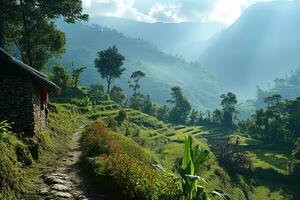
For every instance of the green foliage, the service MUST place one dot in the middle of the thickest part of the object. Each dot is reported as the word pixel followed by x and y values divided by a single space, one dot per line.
pixel 32 29
pixel 97 94
pixel 125 168
pixel 137 99
pixel 191 163
pixel 76 73
pixel 61 76
pixel 14 154
pixel 66 113
pixel 122 115
pixel 96 141
pixel 228 103
pixel 109 64
pixel 112 123
pixel 136 76
pixel 279 123
pixel 234 160
pixel 133 179
pixel 116 94
pixel 68 82
pixel 179 113
pixel 163 113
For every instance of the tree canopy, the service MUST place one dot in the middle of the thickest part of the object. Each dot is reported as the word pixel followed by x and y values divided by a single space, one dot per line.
pixel 109 64
pixel 228 103
pixel 182 107
pixel 32 30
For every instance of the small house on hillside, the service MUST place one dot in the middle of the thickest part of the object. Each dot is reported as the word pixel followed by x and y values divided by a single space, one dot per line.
pixel 23 95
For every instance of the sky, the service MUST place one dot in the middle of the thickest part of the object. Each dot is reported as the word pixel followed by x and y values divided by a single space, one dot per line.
pixel 170 11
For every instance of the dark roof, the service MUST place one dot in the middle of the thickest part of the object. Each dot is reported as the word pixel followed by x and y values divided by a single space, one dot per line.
pixel 35 74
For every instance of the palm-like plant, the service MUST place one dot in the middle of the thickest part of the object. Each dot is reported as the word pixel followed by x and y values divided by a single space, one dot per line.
pixel 193 158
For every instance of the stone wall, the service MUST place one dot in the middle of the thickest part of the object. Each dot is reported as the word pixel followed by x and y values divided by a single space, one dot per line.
pixel 20 104
pixel 39 115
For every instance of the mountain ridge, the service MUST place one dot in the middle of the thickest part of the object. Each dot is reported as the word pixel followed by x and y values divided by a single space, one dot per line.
pixel 260 46
pixel 163 71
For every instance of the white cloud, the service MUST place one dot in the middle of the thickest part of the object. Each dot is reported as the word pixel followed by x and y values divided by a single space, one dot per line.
pixel 166 13
pixel 116 8
pixel 225 11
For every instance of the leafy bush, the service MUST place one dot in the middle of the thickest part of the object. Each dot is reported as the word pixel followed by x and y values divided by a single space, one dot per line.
pixel 96 141
pixel 130 178
pixel 122 115
pixel 234 160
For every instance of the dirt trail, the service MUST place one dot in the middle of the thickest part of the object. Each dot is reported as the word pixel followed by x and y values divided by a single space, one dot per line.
pixel 68 181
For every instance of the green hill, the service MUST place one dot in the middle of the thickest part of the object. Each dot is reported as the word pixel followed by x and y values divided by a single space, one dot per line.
pixel 162 71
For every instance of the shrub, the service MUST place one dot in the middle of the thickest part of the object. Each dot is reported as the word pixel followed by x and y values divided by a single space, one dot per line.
pixel 130 178
pixel 234 160
pixel 112 123
pixel 96 141
pixel 122 115
pixel 125 170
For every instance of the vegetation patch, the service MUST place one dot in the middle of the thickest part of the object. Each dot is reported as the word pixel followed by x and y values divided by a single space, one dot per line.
pixel 14 156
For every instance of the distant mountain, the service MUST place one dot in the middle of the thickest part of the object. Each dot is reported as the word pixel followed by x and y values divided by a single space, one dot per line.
pixel 288 87
pixel 187 39
pixel 163 71
pixel 260 46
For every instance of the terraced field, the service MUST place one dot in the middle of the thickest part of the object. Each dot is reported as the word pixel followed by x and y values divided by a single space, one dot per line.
pixel 166 141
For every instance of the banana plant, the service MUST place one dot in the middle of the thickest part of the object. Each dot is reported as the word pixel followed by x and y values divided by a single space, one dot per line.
pixel 193 159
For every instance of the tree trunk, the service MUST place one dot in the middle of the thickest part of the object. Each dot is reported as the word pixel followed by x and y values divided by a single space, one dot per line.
pixel 108 86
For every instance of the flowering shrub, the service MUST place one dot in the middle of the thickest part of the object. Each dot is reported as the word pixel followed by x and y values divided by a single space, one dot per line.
pixel 130 178
pixel 122 174
pixel 96 141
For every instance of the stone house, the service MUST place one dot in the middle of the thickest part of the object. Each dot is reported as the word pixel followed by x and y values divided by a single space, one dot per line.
pixel 23 95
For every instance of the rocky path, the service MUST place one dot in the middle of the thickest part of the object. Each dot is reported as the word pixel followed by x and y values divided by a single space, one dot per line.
pixel 67 181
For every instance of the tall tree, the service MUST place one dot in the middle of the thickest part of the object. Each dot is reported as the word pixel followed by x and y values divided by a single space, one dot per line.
pixel 34 32
pixel 137 98
pixel 182 107
pixel 136 76
pixel 228 103
pixel 109 64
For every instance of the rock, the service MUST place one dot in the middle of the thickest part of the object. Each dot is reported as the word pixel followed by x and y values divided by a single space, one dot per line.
pixel 53 180
pixel 44 191
pixel 63 194
pixel 58 174
pixel 82 197
pixel 60 187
